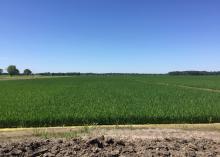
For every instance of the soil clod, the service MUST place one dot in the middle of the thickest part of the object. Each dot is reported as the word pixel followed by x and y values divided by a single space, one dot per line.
pixel 113 147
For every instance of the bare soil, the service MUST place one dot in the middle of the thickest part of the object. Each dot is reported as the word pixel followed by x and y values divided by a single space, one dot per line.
pixel 113 142
pixel 107 146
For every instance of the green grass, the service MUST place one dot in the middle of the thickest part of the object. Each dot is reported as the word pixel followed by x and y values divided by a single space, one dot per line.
pixel 68 134
pixel 108 100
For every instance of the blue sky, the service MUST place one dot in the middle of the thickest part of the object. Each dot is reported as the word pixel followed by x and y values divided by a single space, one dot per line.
pixel 145 36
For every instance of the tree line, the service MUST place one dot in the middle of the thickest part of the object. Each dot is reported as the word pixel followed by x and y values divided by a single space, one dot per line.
pixel 58 74
pixel 90 74
pixel 12 70
pixel 194 73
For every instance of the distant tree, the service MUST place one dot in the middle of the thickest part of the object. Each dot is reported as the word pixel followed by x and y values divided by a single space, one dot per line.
pixel 17 72
pixel 1 71
pixel 12 70
pixel 27 72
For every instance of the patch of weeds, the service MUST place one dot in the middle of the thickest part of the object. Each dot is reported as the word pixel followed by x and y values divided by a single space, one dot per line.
pixel 64 134
pixel 41 133
pixel 210 120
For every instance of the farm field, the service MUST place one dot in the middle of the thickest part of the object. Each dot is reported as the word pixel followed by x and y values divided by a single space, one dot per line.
pixel 109 100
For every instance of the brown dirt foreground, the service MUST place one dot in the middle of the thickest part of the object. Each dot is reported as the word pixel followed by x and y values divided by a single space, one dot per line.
pixel 111 142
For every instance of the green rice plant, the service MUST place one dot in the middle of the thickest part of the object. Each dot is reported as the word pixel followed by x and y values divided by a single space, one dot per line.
pixel 86 100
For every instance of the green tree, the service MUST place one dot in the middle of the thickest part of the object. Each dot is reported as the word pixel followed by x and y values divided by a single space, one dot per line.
pixel 12 70
pixel 27 72
pixel 1 71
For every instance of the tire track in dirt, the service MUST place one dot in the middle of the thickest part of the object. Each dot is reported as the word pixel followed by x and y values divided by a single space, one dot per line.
pixel 182 86
pixel 190 87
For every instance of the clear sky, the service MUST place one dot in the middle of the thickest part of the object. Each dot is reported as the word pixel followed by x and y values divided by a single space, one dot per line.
pixel 146 36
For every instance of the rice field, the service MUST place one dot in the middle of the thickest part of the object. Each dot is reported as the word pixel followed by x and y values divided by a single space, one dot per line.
pixel 86 100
